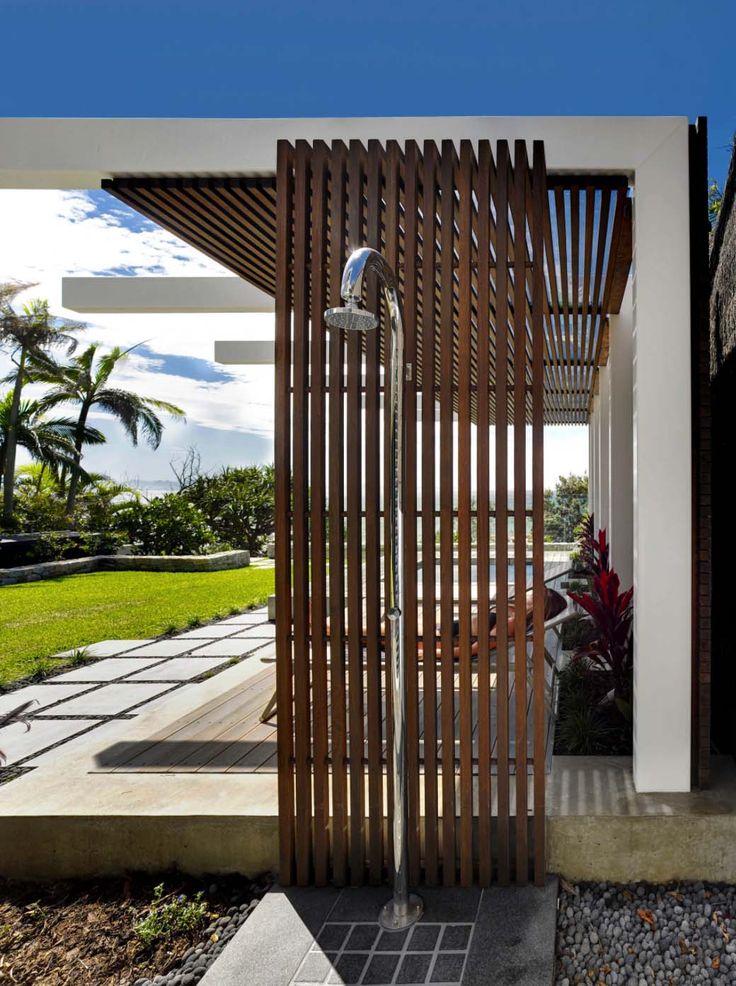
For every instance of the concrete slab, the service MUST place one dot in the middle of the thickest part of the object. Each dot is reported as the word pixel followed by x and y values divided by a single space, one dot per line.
pixel 246 619
pixel 173 647
pixel 514 937
pixel 110 699
pixel 229 648
pixel 107 648
pixel 76 746
pixel 267 630
pixel 108 670
pixel 179 669
pixel 269 948
pixel 17 742
pixel 212 632
pixel 43 695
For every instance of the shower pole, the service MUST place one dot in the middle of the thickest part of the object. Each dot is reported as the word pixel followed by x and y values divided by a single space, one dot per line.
pixel 404 908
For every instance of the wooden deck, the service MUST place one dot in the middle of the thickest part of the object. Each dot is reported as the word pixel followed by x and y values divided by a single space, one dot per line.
pixel 225 735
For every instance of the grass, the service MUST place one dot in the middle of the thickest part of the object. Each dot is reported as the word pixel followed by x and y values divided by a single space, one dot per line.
pixel 40 619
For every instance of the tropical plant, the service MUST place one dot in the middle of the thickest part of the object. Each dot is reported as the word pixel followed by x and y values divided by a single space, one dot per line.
pixel 238 504
pixel 168 525
pixel 49 441
pixel 565 507
pixel 593 551
pixel 611 649
pixel 28 336
pixel 85 382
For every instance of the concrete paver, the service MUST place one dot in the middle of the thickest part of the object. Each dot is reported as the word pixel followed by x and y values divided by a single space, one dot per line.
pixel 107 648
pixel 43 695
pixel 110 669
pixel 179 669
pixel 17 742
pixel 111 699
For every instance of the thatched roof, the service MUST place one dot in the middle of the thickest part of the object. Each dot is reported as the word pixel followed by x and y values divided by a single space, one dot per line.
pixel 723 276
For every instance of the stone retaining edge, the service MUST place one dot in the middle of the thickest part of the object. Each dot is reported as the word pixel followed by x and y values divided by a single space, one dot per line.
pixel 219 562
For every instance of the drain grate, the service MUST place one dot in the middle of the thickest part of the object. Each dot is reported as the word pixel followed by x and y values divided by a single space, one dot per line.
pixel 362 953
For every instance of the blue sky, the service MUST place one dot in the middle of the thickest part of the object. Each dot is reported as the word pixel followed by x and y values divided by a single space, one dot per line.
pixel 235 58
pixel 229 59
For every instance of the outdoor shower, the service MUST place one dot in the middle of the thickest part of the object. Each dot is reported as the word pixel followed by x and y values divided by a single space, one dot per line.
pixel 405 908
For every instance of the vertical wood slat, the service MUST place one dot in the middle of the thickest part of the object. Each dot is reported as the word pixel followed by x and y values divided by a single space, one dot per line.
pixel 337 539
pixel 282 498
pixel 372 543
pixel 502 524
pixel 520 367
pixel 484 191
pixel 446 515
pixel 300 517
pixel 355 543
pixel 410 508
pixel 318 504
pixel 429 617
pixel 539 193
pixel 465 207
pixel 393 255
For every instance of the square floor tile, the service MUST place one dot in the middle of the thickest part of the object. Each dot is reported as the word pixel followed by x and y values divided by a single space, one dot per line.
pixel 381 969
pixel 332 936
pixel 173 647
pixel 392 941
pixel 424 938
pixel 212 632
pixel 455 938
pixel 108 670
pixel 265 631
pixel 42 695
pixel 110 699
pixel 246 619
pixel 17 742
pixel 361 938
pixel 77 745
pixel 227 648
pixel 315 968
pixel 179 669
pixel 448 968
pixel 349 968
pixel 107 648
pixel 414 968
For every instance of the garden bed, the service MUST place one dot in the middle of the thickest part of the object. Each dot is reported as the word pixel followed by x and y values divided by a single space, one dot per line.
pixel 104 932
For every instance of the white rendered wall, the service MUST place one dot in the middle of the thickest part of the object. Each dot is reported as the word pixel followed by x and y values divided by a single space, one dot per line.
pixel 662 483
pixel 621 441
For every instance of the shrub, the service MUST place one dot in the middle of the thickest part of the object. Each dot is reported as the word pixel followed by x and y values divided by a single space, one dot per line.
pixel 238 505
pixel 168 525
pixel 167 918
pixel 58 546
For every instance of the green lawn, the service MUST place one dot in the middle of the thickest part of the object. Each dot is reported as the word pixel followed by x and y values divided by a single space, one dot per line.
pixel 41 618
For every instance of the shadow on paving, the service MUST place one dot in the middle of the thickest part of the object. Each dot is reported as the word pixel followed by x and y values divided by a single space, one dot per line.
pixel 468 936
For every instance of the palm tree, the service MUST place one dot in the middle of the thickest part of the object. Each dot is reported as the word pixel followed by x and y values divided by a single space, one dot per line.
pixel 49 441
pixel 85 382
pixel 27 335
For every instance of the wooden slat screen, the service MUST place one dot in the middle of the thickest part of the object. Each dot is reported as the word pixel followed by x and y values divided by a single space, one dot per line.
pixel 467 227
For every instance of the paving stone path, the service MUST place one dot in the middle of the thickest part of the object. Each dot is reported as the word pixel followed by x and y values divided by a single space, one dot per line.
pixel 129 677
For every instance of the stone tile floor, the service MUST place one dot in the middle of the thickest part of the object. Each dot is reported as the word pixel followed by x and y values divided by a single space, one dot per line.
pixel 362 953
pixel 130 677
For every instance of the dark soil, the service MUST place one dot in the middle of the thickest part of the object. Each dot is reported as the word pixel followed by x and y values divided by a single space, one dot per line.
pixel 82 932
pixel 588 725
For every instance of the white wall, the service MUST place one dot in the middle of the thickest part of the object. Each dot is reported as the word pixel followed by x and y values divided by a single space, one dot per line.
pixel 621 441
pixel 604 449
pixel 662 457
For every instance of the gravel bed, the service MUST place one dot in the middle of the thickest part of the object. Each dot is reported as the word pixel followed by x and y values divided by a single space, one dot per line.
pixel 197 960
pixel 639 934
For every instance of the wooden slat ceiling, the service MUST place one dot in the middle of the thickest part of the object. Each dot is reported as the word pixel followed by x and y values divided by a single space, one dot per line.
pixel 588 248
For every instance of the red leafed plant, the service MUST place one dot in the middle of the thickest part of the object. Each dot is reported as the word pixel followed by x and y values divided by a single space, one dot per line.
pixel 593 547
pixel 611 650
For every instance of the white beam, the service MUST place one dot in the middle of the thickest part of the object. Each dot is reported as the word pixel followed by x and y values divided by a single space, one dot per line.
pixel 163 295
pixel 255 352
pixel 79 153
pixel 604 449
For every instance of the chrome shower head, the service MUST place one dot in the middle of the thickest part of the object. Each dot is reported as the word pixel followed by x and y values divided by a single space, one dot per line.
pixel 352 317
